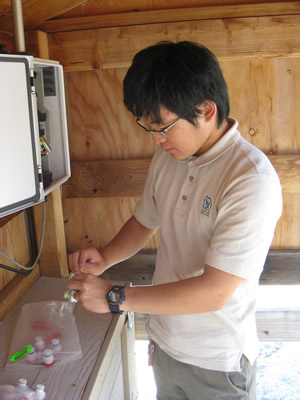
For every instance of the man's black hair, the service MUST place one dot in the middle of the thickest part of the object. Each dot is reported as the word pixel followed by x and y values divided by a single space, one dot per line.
pixel 178 76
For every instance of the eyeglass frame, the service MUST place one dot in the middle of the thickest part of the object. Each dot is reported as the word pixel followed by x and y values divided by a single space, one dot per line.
pixel 162 132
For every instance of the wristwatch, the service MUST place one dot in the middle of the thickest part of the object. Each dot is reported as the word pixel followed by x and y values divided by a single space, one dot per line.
pixel 115 297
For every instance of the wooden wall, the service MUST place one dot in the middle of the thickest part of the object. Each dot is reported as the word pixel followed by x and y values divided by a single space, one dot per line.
pixel 260 60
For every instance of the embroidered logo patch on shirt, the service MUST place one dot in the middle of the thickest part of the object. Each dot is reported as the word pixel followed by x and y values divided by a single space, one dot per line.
pixel 206 205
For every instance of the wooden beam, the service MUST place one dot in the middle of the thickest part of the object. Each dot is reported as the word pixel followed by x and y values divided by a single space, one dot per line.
pixel 115 178
pixel 35 13
pixel 15 290
pixel 171 15
pixel 138 269
pixel 232 38
pixel 271 325
pixel 288 170
pixel 106 178
pixel 282 267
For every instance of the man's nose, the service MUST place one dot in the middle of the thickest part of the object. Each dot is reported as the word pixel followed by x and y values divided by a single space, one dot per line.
pixel 157 139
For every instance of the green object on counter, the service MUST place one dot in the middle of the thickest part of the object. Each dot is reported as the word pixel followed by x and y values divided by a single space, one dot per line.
pixel 19 354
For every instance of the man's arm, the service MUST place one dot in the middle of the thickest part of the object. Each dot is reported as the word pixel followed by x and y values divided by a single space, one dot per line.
pixel 129 240
pixel 205 293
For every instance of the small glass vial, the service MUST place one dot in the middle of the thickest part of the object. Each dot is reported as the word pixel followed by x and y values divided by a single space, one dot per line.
pixel 56 346
pixel 22 385
pixel 69 294
pixel 31 357
pixel 40 393
pixel 39 344
pixel 48 358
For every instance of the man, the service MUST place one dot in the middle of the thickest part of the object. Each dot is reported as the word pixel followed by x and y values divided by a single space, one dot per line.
pixel 216 200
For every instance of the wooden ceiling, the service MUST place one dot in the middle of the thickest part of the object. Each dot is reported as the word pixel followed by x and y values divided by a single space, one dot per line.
pixel 42 15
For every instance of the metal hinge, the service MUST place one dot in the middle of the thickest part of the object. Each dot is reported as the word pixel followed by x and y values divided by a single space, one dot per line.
pixel 32 81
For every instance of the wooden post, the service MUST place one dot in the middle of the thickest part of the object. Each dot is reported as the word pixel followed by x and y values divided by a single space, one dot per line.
pixel 37 43
pixel 53 260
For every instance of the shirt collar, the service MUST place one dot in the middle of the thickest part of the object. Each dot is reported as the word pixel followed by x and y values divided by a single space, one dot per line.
pixel 219 148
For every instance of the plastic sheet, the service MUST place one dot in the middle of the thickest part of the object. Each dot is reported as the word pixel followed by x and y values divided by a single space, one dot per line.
pixel 50 328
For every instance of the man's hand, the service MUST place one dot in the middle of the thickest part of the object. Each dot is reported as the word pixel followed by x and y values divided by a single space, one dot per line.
pixel 91 291
pixel 87 261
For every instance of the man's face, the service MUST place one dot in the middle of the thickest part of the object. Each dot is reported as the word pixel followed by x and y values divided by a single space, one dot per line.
pixel 183 139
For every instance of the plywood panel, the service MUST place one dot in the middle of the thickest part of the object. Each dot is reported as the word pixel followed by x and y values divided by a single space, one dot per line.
pixel 228 38
pixel 13 243
pixel 265 105
pixel 100 126
pixel 5 220
pixel 264 95
pixel 94 222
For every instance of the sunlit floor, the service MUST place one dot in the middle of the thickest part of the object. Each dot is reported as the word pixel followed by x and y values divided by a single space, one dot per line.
pixel 278 366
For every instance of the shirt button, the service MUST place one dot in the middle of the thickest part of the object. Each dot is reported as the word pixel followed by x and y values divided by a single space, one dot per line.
pixel 184 197
pixel 191 178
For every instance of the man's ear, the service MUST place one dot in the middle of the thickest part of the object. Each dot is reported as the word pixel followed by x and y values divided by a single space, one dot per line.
pixel 208 110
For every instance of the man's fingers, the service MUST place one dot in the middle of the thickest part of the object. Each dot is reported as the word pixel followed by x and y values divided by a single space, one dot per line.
pixel 73 261
pixel 82 259
pixel 75 283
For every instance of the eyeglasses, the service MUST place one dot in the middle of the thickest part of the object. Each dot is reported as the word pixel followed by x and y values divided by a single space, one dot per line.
pixel 161 132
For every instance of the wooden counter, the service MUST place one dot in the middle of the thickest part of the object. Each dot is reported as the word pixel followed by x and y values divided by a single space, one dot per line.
pixel 106 370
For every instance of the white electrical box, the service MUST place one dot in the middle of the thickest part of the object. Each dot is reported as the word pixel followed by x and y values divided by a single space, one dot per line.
pixel 34 150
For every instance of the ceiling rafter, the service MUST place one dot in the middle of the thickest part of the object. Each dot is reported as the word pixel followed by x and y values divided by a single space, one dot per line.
pixel 35 14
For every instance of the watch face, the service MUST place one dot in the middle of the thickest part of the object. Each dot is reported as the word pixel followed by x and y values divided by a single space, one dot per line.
pixel 115 297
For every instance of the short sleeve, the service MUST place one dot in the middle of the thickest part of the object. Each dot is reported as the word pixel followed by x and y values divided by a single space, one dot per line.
pixel 146 209
pixel 245 225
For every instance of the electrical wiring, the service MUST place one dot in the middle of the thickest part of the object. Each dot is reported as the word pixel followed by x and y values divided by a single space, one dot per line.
pixel 15 270
pixel 28 269
pixel 31 232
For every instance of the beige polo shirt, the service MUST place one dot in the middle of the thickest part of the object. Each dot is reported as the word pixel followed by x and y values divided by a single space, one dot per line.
pixel 219 209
